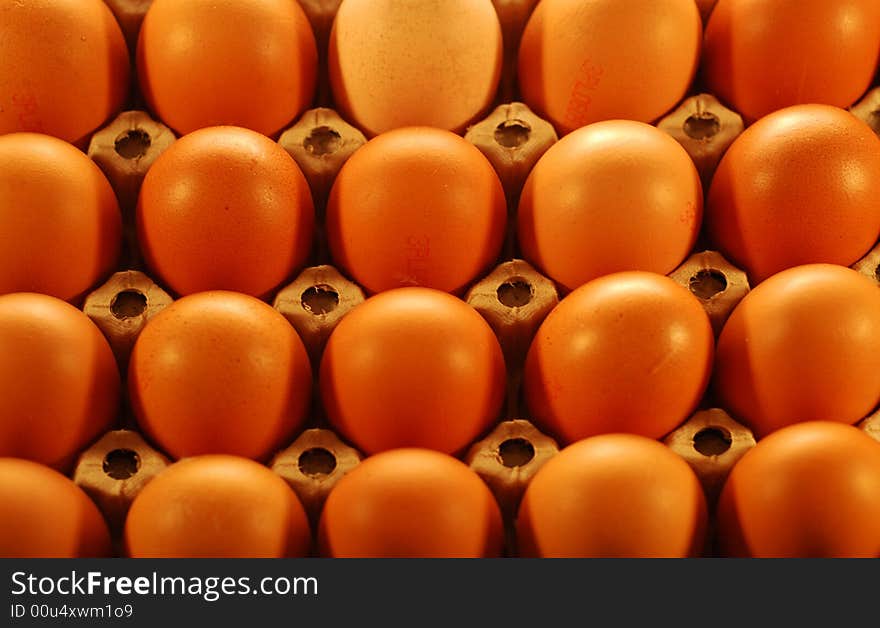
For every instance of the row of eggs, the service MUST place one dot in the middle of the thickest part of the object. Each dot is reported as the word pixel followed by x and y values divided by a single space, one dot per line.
pixel 809 489
pixel 227 208
pixel 222 372
pixel 423 63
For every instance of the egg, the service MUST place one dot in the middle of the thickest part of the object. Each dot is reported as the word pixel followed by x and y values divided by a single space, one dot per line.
pixel 763 55
pixel 219 373
pixel 613 496
pixel 60 225
pixel 629 352
pixel 808 490
pixel 59 387
pixel 412 367
pixel 416 206
pixel 583 62
pixel 217 506
pixel 802 346
pixel 411 503
pixel 225 208
pixel 227 62
pixel 417 63
pixel 799 186
pixel 64 67
pixel 45 515
pixel 612 196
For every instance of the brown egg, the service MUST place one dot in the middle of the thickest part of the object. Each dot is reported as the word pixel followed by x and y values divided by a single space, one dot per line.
pixel 610 197
pixel 582 62
pixel 412 368
pixel 45 515
pixel 763 55
pixel 227 62
pixel 801 185
pixel 416 207
pixel 802 346
pixel 411 503
pixel 219 372
pixel 629 352
pixel 225 208
pixel 60 225
pixel 217 507
pixel 808 490
pixel 59 387
pixel 613 496
pixel 416 63
pixel 64 67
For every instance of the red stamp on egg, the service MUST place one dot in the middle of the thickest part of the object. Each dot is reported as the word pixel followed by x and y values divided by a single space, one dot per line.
pixel 418 254
pixel 27 112
pixel 580 101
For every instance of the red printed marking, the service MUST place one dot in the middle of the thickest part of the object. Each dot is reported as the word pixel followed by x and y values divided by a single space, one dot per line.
pixel 418 254
pixel 689 214
pixel 581 99
pixel 27 112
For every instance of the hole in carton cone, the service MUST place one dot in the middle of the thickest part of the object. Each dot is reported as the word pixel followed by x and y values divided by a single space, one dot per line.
pixel 702 126
pixel 707 283
pixel 128 304
pixel 322 140
pixel 121 464
pixel 316 461
pixel 512 133
pixel 319 300
pixel 133 144
pixel 516 452
pixel 515 293
pixel 712 441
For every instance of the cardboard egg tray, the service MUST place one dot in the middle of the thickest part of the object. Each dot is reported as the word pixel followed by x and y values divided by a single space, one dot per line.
pixel 513 297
